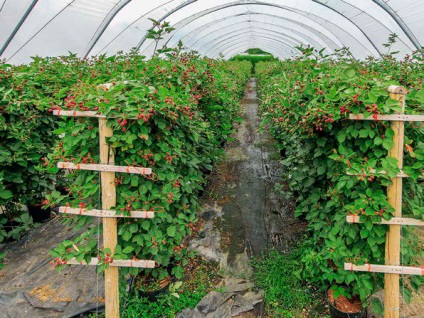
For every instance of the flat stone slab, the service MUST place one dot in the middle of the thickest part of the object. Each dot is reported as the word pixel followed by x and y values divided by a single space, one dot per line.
pixel 238 299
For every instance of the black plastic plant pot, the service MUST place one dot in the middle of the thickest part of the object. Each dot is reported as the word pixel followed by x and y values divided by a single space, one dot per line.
pixel 38 213
pixel 337 313
pixel 152 295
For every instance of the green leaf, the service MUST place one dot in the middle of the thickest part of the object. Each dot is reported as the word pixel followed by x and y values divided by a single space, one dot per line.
pixel 378 153
pixel 378 141
pixel 321 142
pixel 161 124
pixel 126 235
pixel 138 239
pixel 368 225
pixel 128 249
pixel 321 169
pixel 178 271
pixel 407 294
pixel 157 157
pixel 350 72
pixel 363 133
pixel 145 225
pixel 133 228
pixel 154 250
pixel 377 306
pixel 387 143
pixel 171 230
pixel 6 194
pixel 364 233
pixel 372 98
pixel 341 136
pixel 134 181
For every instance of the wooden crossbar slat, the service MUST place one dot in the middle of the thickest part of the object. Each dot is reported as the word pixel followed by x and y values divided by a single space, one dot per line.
pixel 77 113
pixel 395 117
pixel 402 174
pixel 107 213
pixel 104 168
pixel 116 263
pixel 387 269
pixel 373 171
pixel 108 86
pixel 392 221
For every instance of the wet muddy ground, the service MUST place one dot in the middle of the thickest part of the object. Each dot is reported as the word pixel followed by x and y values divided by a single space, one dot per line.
pixel 243 213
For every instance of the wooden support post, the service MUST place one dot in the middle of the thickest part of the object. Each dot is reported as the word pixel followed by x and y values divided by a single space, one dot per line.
pixel 394 194
pixel 110 228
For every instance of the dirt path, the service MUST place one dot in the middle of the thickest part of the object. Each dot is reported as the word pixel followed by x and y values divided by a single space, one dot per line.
pixel 243 214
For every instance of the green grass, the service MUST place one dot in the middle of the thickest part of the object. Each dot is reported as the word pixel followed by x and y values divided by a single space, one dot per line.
pixel 166 305
pixel 286 295
pixel 199 279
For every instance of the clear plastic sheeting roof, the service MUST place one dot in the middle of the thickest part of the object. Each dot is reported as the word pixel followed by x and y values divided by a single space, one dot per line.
pixel 213 28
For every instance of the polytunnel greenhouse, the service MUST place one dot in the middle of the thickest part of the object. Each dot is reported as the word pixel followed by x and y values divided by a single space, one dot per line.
pixel 86 28
pixel 199 158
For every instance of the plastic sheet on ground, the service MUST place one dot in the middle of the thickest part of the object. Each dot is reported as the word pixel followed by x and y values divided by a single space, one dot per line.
pixel 31 287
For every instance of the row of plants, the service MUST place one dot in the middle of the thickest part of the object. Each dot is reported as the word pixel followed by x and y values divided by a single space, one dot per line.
pixel 171 115
pixel 27 92
pixel 184 108
pixel 305 103
pixel 26 136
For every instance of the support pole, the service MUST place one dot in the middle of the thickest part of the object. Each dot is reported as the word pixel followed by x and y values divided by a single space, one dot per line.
pixel 110 228
pixel 394 195
pixel 18 26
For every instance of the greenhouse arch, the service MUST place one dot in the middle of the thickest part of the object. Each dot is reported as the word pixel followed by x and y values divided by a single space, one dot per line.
pixel 285 47
pixel 281 24
pixel 38 27
pixel 210 44
pixel 297 16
